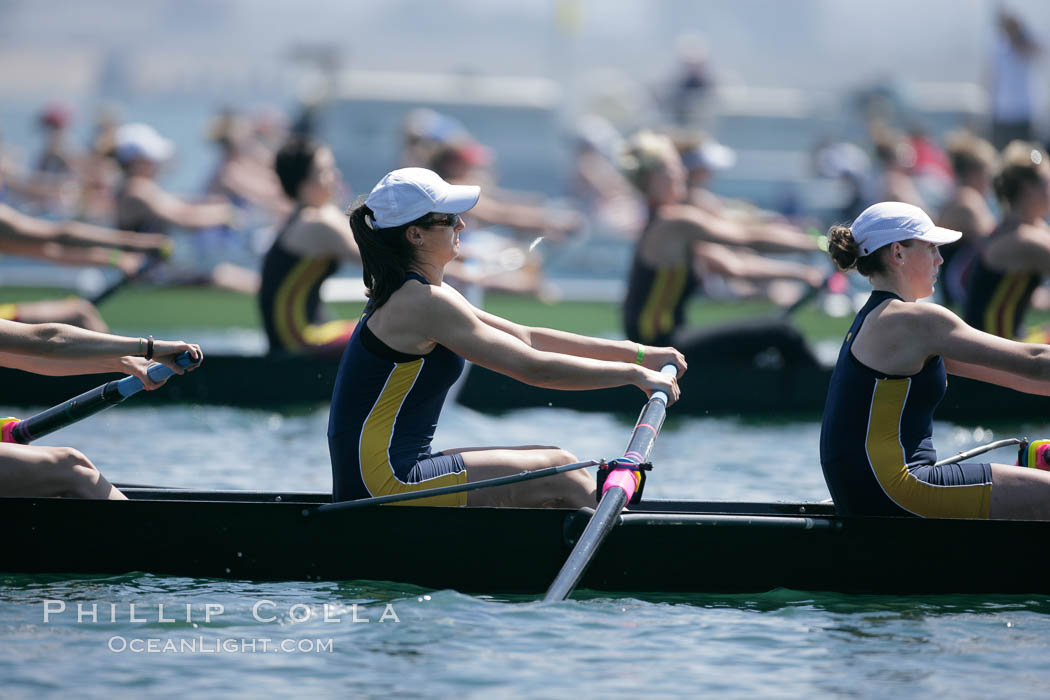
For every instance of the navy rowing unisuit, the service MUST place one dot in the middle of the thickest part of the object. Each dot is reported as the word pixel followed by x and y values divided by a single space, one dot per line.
pixel 876 441
pixel 385 409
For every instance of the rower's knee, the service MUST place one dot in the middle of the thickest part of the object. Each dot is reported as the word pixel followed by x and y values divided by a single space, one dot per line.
pixel 560 457
pixel 73 472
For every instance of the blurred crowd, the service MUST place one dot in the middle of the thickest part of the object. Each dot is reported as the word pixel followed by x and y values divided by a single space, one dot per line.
pixel 104 201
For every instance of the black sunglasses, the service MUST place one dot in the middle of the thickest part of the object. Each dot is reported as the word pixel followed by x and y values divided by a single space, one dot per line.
pixel 441 220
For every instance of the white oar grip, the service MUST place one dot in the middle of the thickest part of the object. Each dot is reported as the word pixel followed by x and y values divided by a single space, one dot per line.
pixel 666 369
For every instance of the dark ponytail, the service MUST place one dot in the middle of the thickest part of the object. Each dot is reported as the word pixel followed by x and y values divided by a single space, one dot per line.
pixel 386 254
pixel 845 252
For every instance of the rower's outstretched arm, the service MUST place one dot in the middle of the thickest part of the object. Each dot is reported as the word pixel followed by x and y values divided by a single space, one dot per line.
pixel 57 348
pixel 178 212
pixel 16 228
pixel 566 343
pixel 696 225
pixel 974 354
pixel 451 321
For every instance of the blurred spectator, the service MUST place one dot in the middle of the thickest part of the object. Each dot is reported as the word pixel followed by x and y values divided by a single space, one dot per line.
pixel 57 159
pixel 692 83
pixel 1013 81
pixel 99 172
pixel 469 161
pixel 850 164
pixel 702 157
pixel 894 159
pixel 424 132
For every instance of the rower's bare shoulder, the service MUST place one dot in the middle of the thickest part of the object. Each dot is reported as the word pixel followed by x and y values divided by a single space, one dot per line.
pixel 916 317
pixel 427 298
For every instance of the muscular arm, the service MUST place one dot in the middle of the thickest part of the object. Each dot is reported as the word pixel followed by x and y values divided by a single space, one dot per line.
pixel 449 320
pixel 971 353
pixel 565 343
pixel 58 341
pixel 59 349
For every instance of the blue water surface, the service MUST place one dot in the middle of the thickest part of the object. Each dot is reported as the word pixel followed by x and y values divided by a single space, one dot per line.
pixel 442 643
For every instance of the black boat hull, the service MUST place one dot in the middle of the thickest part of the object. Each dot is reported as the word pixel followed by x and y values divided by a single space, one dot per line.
pixel 677 547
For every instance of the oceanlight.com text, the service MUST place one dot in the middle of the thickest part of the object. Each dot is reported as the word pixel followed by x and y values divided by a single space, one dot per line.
pixel 218 645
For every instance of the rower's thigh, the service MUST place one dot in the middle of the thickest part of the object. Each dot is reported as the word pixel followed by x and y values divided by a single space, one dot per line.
pixel 571 490
pixel 29 470
pixel 1019 493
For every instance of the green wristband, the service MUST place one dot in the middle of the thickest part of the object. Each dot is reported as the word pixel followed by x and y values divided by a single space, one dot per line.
pixel 641 355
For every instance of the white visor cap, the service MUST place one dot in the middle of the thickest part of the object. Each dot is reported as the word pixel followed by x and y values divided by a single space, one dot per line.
pixel 889 222
pixel 135 141
pixel 405 195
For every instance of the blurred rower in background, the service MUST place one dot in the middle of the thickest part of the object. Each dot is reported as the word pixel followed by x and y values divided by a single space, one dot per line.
pixel 490 257
pixel 1015 258
pixel 308 249
pixel 143 205
pixel 70 243
pixel 973 161
pixel 250 185
pixel 664 276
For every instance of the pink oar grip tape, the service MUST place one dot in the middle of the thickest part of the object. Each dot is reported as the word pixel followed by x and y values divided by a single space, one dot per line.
pixel 7 426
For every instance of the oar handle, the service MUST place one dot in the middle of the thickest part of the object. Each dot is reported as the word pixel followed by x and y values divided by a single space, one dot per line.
pixel 642 439
pixel 662 395
pixel 84 405
pixel 158 373
pixel 619 488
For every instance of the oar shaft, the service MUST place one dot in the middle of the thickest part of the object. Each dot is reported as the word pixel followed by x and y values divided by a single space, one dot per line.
pixel 124 280
pixel 619 488
pixel 456 488
pixel 980 450
pixel 87 404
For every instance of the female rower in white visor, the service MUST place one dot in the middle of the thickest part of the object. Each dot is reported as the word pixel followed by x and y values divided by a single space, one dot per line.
pixel 876 441
pixel 410 346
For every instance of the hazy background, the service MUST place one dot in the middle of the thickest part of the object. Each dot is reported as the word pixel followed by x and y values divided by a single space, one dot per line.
pixel 244 44
pixel 174 62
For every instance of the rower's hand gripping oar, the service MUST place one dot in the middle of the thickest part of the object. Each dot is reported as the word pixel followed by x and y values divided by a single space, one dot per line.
pixel 619 487
pixel 87 404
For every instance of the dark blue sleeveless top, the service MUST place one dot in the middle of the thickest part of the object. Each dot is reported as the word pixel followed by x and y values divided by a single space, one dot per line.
pixel 654 308
pixel 385 408
pixel 876 426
